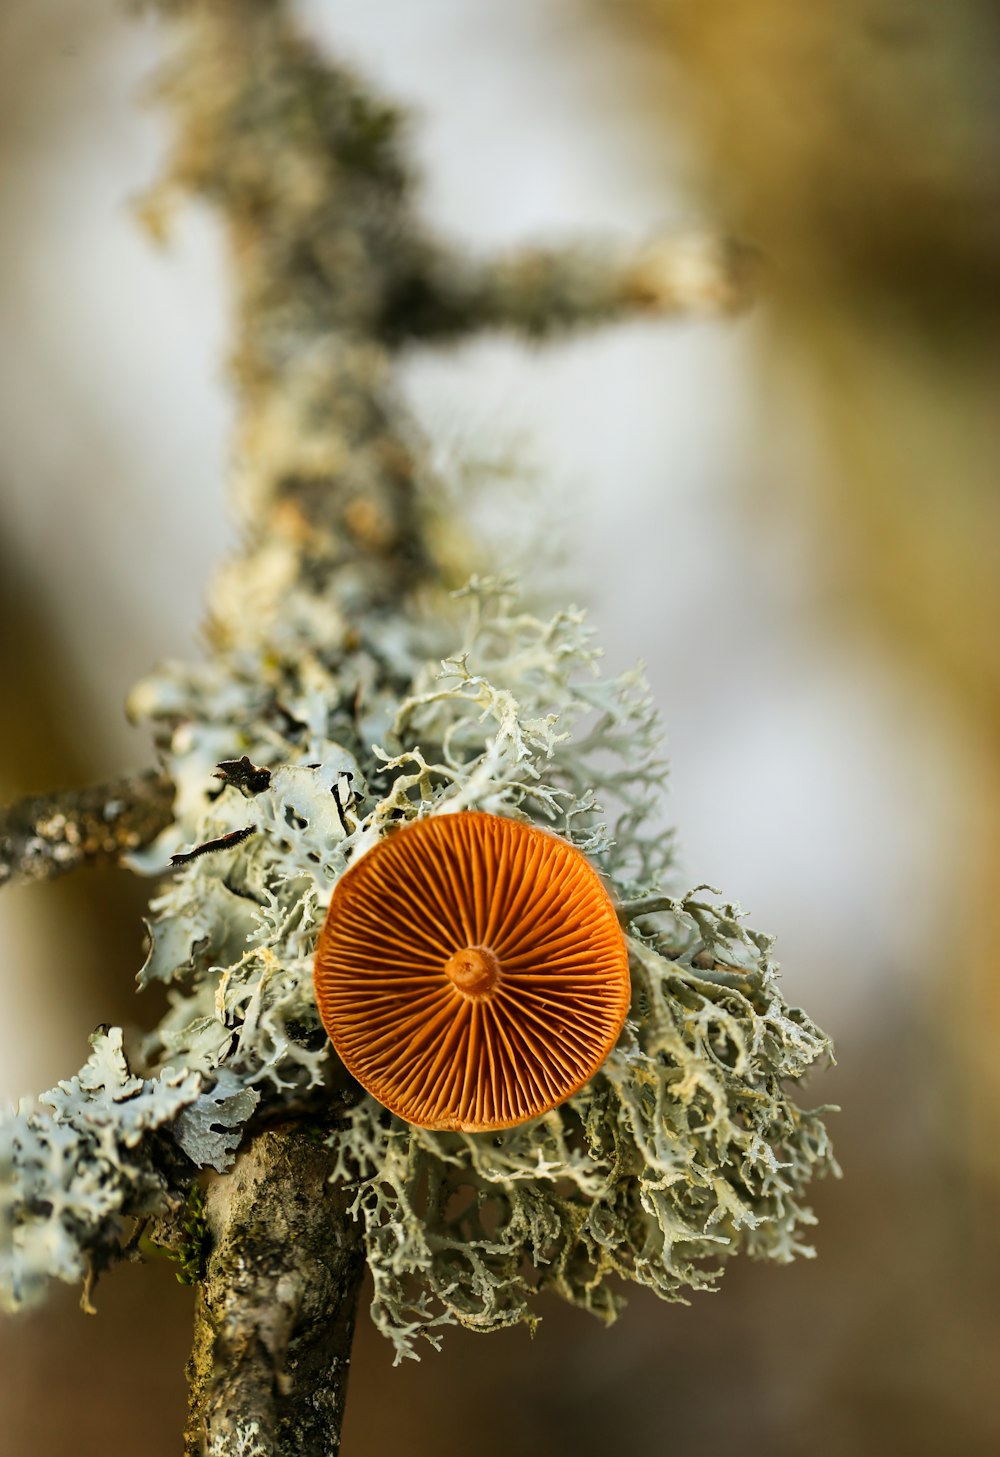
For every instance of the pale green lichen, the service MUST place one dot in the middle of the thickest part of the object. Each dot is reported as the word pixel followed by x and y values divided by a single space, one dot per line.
pixel 79 1160
pixel 684 1148
pixel 246 1440
pixel 363 701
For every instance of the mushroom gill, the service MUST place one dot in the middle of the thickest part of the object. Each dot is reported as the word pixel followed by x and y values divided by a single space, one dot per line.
pixel 471 972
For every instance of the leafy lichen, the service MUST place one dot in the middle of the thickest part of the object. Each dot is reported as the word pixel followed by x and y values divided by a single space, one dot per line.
pixel 78 1161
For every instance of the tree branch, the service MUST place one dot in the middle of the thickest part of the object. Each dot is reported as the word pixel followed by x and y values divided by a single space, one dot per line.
pixel 275 1311
pixel 304 167
pixel 50 834
pixel 542 293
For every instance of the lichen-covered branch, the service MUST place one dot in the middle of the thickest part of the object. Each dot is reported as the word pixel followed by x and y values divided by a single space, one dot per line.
pixel 275 1308
pixel 50 834
pixel 332 270
pixel 306 172
pixel 85 1157
pixel 687 1146
pixel 347 692
pixel 545 292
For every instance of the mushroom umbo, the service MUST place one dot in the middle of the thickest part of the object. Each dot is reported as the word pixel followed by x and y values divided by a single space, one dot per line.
pixel 472 973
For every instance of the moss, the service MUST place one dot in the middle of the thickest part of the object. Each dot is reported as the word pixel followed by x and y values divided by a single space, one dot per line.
pixel 194 1242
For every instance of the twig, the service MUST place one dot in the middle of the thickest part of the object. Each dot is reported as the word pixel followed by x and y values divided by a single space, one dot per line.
pixel 650 905
pixel 50 834
pixel 209 847
pixel 542 293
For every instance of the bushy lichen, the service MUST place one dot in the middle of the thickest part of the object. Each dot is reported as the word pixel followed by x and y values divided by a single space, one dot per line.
pixel 342 697
pixel 684 1148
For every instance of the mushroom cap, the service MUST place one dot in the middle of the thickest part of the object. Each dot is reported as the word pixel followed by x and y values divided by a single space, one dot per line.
pixel 471 972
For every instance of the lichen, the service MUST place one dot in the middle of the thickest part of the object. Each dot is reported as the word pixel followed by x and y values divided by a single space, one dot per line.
pixel 79 1160
pixel 247 1440
pixel 210 1129
pixel 342 697
pixel 685 1147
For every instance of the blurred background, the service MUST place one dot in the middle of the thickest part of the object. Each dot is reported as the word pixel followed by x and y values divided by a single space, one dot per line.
pixel 793 518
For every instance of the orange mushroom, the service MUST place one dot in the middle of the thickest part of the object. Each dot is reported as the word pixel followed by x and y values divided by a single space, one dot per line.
pixel 471 972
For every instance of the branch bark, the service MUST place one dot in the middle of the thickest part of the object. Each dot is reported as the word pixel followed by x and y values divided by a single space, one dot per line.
pixel 49 834
pixel 275 1311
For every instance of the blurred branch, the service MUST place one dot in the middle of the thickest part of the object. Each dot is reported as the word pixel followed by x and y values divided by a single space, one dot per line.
pixel 49 834
pixel 541 293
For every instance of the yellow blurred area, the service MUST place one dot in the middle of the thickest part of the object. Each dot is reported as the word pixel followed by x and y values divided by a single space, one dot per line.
pixel 793 518
pixel 857 144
